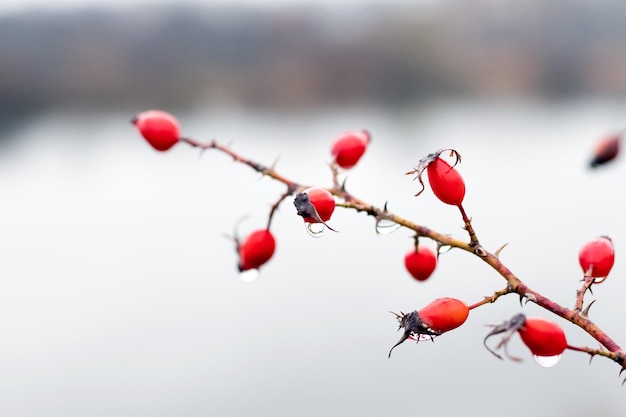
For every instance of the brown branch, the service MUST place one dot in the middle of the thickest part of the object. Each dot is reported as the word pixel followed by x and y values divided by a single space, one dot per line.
pixel 572 316
pixel 275 206
pixel 491 298
pixel 468 227
pixel 514 284
pixel 580 294
pixel 618 357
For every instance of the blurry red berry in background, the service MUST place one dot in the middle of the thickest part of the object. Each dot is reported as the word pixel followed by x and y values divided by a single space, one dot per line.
pixel 420 262
pixel 256 249
pixel 348 147
pixel 159 128
pixel 606 150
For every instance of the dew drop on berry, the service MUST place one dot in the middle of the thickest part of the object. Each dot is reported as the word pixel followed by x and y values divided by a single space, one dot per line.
pixel 249 275
pixel 547 361
pixel 386 226
pixel 420 337
pixel 315 229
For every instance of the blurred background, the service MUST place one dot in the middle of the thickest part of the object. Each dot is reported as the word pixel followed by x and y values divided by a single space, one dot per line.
pixel 119 293
pixel 387 54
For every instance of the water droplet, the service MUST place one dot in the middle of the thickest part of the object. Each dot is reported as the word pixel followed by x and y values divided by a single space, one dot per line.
pixel 249 275
pixel 315 229
pixel 386 226
pixel 419 337
pixel 547 361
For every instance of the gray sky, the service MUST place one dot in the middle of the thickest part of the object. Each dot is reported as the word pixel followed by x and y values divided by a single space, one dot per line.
pixel 11 6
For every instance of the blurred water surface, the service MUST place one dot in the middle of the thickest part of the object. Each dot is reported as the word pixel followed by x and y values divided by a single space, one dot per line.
pixel 119 293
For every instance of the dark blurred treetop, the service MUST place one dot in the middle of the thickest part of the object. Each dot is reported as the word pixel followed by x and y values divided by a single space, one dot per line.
pixel 175 57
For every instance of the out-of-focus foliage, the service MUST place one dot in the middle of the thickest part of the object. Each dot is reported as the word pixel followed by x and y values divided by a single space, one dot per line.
pixel 285 57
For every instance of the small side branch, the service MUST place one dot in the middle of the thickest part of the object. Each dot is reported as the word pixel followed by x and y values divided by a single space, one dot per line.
pixel 290 191
pixel 618 357
pixel 580 294
pixel 491 298
pixel 468 227
pixel 270 172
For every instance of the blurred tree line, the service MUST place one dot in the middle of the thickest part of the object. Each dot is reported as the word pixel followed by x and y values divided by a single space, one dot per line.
pixel 178 57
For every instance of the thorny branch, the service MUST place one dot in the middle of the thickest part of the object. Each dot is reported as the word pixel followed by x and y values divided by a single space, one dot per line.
pixel 610 349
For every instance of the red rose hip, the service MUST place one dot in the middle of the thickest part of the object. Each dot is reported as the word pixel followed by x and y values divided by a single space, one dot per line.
pixel 256 249
pixel 596 257
pixel 315 204
pixel 543 337
pixel 420 262
pixel 446 182
pixel 444 314
pixel 349 147
pixel 438 317
pixel 159 128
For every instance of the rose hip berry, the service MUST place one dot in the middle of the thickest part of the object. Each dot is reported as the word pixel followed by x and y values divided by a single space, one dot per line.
pixel 543 337
pixel 596 258
pixel 420 262
pixel 444 314
pixel 348 147
pixel 438 317
pixel 159 128
pixel 445 181
pixel 315 205
pixel 256 249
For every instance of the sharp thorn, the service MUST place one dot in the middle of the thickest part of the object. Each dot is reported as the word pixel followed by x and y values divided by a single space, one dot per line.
pixel 585 312
pixel 497 252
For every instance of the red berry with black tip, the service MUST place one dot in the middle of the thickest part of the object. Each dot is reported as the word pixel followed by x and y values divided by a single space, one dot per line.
pixel 444 314
pixel 315 205
pixel 543 337
pixel 440 316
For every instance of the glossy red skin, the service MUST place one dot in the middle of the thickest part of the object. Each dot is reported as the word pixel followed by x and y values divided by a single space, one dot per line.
pixel 420 264
pixel 596 257
pixel 323 201
pixel 349 147
pixel 446 182
pixel 159 128
pixel 444 314
pixel 543 337
pixel 256 249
